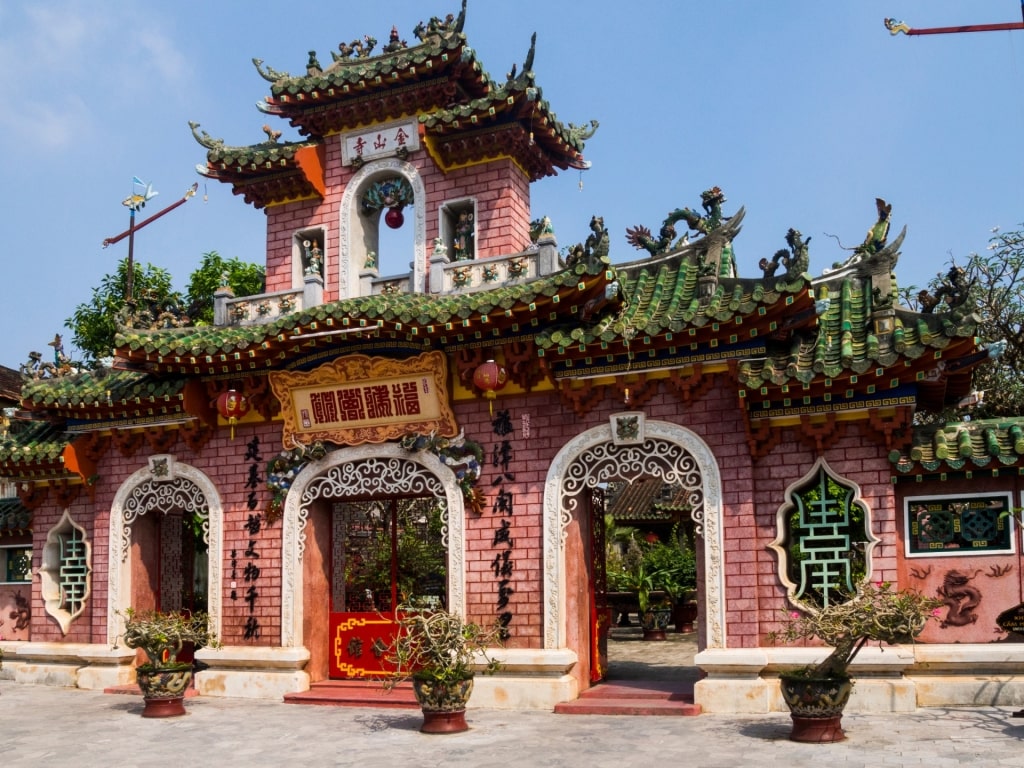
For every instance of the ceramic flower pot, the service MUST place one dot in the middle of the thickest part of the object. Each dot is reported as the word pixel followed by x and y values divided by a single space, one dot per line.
pixel 683 616
pixel 655 621
pixel 443 704
pixel 163 689
pixel 816 706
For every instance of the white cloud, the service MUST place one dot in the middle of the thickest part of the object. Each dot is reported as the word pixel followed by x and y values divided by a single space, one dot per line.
pixel 66 63
pixel 163 57
pixel 52 125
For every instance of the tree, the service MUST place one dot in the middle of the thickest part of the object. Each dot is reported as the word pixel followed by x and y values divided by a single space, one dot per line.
pixel 994 282
pixel 245 279
pixel 94 324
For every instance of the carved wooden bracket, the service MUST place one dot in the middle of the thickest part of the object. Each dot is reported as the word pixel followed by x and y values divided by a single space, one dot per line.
pixel 820 434
pixel 522 363
pixel 581 400
pixel 33 496
pixel 161 439
pixel 896 427
pixel 94 445
pixel 126 441
pixel 196 434
pixel 692 387
pixel 261 396
pixel 65 493
pixel 762 438
pixel 640 391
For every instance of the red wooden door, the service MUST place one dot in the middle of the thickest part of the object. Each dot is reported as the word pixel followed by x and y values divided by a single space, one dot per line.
pixel 385 552
pixel 600 611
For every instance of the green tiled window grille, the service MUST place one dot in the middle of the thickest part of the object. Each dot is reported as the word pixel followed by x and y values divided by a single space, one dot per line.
pixel 17 563
pixel 826 539
pixel 74 571
pixel 959 524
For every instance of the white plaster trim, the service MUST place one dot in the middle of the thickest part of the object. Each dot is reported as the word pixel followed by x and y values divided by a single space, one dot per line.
pixel 296 513
pixel 119 588
pixel 556 517
pixel 49 574
pixel 348 272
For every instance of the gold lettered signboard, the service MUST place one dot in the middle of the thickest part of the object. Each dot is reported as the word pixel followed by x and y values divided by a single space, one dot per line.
pixel 1012 620
pixel 358 399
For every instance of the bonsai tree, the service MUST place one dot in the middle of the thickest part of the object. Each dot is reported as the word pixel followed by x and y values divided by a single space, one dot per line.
pixel 435 645
pixel 878 613
pixel 162 635
pixel 439 651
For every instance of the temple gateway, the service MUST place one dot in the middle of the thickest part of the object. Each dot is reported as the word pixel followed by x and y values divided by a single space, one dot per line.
pixel 355 437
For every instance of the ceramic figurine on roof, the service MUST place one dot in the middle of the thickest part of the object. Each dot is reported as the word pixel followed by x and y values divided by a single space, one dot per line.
pixel 712 253
pixel 796 260
pixel 37 368
pixel 954 291
pixel 874 246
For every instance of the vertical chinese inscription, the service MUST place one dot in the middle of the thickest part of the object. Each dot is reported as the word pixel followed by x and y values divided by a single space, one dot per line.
pixel 503 507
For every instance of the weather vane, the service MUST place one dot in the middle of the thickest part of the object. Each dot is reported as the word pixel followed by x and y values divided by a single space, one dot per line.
pixel 136 202
pixel 895 27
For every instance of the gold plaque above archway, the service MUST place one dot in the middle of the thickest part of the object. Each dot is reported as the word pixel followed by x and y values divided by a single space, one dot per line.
pixel 358 399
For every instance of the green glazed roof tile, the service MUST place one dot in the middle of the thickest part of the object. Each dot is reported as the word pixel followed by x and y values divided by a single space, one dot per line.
pixel 987 443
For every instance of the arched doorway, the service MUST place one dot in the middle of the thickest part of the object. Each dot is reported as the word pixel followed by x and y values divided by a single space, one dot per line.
pixel 351 494
pixel 359 235
pixel 166 542
pixel 664 451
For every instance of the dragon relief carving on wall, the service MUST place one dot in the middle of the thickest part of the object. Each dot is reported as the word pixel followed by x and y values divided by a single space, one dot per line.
pixel 960 597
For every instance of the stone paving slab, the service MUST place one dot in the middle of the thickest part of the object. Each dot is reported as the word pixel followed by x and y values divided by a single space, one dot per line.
pixel 43 725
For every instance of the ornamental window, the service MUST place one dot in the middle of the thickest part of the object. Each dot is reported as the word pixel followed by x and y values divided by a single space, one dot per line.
pixel 66 572
pixel 824 538
pixel 959 524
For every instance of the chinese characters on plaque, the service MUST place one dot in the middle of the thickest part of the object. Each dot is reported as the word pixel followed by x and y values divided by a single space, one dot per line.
pixel 357 399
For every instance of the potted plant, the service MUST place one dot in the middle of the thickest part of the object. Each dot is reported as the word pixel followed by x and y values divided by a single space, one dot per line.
pixel 817 694
pixel 675 573
pixel 655 611
pixel 162 636
pixel 439 652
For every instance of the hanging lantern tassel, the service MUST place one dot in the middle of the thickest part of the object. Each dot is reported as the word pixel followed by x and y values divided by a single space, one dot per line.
pixel 489 377
pixel 232 405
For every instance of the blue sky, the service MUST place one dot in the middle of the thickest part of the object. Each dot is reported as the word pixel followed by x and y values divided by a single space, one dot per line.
pixel 802 111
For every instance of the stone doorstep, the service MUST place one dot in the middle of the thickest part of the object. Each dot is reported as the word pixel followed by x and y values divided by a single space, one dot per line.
pixel 355 693
pixel 644 697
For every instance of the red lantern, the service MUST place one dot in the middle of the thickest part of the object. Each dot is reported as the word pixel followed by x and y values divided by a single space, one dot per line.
pixel 232 405
pixel 489 377
pixel 394 218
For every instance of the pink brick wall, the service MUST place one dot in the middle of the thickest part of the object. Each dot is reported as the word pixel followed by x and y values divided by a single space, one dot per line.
pixel 501 190
pixel 751 490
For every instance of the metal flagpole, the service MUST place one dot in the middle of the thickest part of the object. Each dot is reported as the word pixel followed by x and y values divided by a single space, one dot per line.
pixel 896 27
pixel 134 203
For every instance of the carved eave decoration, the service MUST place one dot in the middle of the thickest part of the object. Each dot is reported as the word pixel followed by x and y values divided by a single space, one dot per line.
pixel 407 323
pixel 265 173
pixel 358 88
pixel 982 448
pixel 512 120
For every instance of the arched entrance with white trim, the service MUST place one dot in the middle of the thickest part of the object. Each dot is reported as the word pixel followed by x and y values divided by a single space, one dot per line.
pixel 361 471
pixel 163 486
pixel 672 453
pixel 358 234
